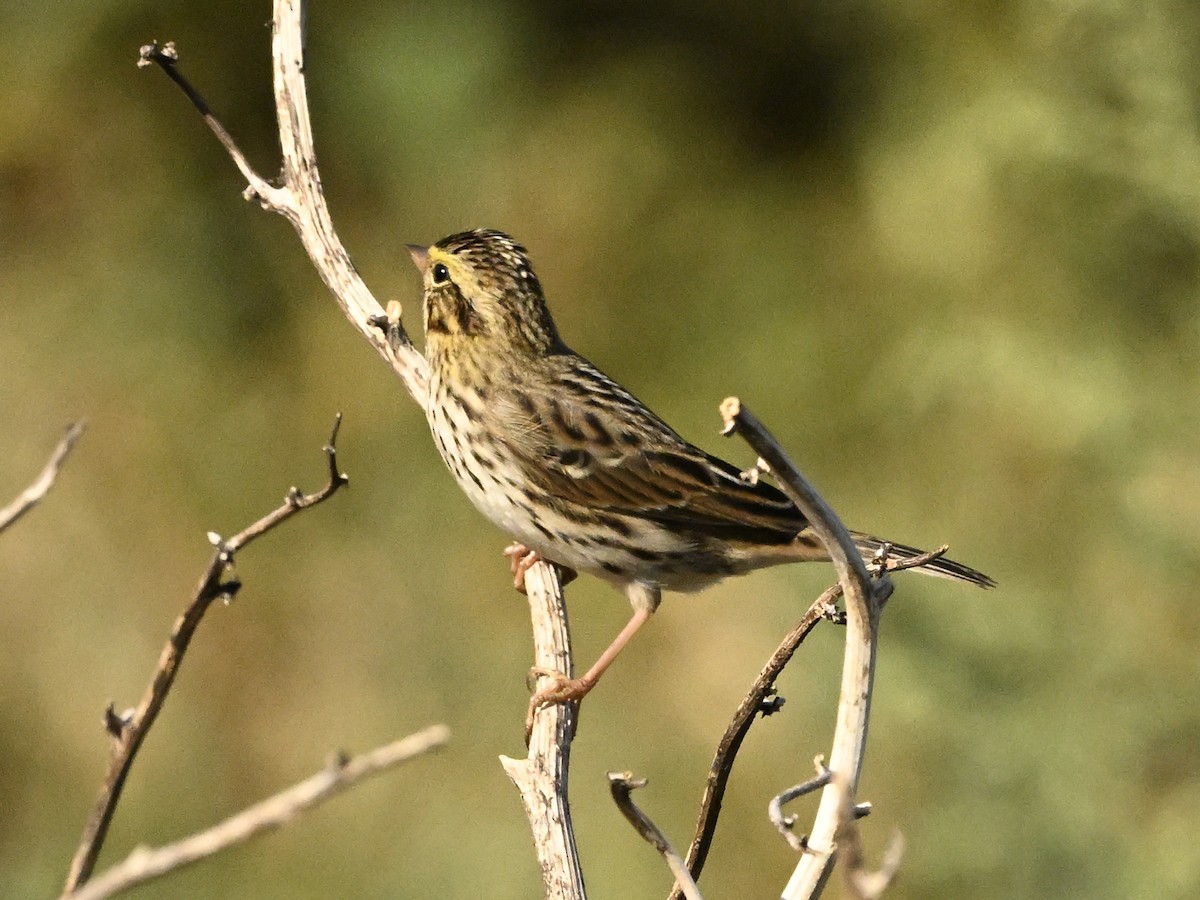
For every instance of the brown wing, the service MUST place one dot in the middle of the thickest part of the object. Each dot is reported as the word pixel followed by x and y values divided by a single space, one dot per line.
pixel 592 443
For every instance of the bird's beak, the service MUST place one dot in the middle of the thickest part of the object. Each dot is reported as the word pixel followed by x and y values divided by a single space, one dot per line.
pixel 420 257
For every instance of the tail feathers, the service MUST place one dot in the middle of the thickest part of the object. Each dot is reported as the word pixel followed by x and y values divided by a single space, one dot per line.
pixel 941 567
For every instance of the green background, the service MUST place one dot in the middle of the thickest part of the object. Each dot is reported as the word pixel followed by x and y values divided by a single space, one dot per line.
pixel 948 252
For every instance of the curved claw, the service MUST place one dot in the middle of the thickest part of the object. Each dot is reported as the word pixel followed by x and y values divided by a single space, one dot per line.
pixel 561 690
pixel 523 559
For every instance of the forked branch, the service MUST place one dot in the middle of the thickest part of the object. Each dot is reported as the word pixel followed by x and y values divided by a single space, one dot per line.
pixel 128 730
pixel 145 864
pixel 300 199
pixel 863 601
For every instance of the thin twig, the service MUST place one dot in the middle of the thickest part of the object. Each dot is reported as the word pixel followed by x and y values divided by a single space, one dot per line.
pixel 862 884
pixel 32 495
pixel 145 864
pixel 784 824
pixel 622 784
pixel 739 726
pixel 542 776
pixel 863 603
pixel 166 58
pixel 883 561
pixel 127 731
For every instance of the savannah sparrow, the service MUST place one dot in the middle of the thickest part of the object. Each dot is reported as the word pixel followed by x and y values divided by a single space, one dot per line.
pixel 572 465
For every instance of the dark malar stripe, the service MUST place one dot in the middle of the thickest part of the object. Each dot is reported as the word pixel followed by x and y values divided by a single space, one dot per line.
pixel 469 321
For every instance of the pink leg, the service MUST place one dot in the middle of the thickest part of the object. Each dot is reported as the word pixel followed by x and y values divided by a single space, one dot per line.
pixel 564 689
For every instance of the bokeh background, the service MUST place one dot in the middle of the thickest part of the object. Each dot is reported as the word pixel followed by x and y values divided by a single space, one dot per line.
pixel 949 252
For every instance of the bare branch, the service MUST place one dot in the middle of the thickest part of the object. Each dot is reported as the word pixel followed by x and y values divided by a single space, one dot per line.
pixel 166 57
pixel 300 198
pixel 542 776
pixel 888 563
pixel 130 729
pixel 32 495
pixel 622 784
pixel 858 670
pixel 145 864
pixel 739 726
pixel 784 824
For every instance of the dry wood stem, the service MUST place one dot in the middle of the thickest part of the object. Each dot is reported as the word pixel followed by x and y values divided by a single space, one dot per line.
pixel 756 701
pixel 128 730
pixel 863 601
pixel 622 785
pixel 300 199
pixel 145 864
pixel 541 777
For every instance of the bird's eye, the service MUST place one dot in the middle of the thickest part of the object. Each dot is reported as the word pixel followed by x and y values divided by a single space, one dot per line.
pixel 440 274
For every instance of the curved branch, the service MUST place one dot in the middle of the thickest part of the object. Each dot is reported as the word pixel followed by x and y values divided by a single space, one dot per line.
pixel 300 199
pixel 128 730
pixel 755 701
pixel 622 785
pixel 863 601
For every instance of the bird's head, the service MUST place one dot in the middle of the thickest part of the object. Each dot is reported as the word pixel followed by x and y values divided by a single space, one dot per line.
pixel 479 287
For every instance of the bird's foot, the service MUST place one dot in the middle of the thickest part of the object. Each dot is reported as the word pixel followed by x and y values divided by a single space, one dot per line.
pixel 523 559
pixel 561 690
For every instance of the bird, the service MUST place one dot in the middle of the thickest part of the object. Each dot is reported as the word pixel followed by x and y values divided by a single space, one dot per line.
pixel 577 470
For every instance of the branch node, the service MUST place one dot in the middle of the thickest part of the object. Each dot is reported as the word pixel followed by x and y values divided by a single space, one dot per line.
pixel 772 704
pixel 165 54
pixel 831 613
pixel 227 590
pixel 338 760
pixel 252 192
pixel 389 323
pixel 750 475
pixel 336 477
pixel 880 558
pixel 115 723
pixel 862 810
pixel 223 548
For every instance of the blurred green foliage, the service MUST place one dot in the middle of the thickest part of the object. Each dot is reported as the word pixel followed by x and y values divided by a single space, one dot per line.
pixel 949 252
